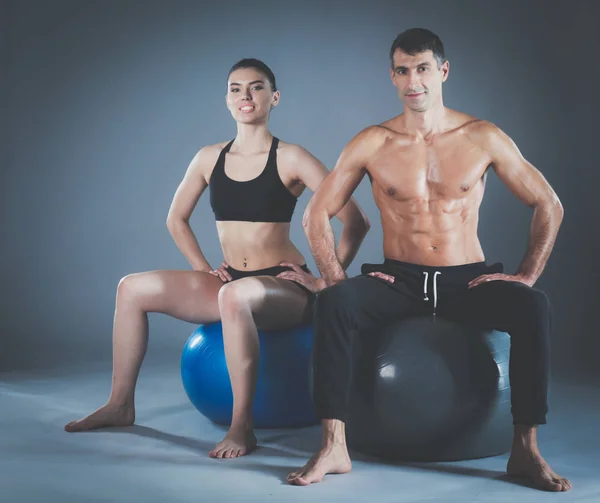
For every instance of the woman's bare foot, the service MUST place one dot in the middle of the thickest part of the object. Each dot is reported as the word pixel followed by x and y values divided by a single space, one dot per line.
pixel 237 442
pixel 526 461
pixel 331 458
pixel 106 416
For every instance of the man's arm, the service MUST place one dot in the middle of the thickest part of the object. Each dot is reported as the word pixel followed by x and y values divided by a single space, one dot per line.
pixel 530 186
pixel 311 172
pixel 329 199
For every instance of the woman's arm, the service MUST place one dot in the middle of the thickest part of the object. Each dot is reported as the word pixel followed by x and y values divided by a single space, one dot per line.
pixel 186 197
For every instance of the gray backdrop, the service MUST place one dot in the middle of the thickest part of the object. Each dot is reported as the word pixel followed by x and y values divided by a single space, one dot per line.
pixel 105 103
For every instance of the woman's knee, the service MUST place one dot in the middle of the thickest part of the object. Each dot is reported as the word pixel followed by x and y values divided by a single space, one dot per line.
pixel 243 294
pixel 139 286
pixel 128 287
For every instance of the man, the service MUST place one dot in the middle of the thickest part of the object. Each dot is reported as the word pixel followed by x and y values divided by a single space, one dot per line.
pixel 428 168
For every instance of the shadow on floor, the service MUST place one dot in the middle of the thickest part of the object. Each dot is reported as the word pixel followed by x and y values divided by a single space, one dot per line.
pixel 299 444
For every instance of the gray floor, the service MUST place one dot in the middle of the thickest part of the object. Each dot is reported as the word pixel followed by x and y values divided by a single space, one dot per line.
pixel 163 458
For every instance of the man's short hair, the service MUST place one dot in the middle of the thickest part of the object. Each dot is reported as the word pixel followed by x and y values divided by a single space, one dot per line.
pixel 417 40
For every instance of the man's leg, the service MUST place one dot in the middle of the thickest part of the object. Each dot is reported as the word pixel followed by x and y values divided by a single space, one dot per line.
pixel 524 313
pixel 340 312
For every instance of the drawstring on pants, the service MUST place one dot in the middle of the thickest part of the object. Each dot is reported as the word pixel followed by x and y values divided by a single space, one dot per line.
pixel 425 297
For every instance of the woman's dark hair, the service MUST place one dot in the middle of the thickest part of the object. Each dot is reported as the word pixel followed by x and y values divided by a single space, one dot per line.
pixel 417 40
pixel 257 64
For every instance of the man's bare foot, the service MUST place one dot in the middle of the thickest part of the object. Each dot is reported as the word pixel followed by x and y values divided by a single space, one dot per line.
pixel 531 465
pixel 106 416
pixel 237 442
pixel 332 458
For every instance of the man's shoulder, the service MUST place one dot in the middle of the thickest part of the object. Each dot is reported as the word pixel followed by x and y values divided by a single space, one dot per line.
pixel 487 136
pixel 377 134
pixel 482 133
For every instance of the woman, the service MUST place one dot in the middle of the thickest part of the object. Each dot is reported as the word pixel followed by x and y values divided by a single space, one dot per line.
pixel 254 182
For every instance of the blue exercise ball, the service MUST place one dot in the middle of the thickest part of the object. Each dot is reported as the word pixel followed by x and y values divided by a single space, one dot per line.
pixel 429 389
pixel 282 398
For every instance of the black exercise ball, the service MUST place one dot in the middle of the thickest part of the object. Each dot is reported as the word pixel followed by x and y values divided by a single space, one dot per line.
pixel 427 389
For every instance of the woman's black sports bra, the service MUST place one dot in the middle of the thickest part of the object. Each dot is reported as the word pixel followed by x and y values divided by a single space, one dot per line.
pixel 262 199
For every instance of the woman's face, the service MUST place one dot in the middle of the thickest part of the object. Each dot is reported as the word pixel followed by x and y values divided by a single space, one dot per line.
pixel 249 96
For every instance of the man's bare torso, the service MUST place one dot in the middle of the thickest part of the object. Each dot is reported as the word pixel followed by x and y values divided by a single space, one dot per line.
pixel 429 191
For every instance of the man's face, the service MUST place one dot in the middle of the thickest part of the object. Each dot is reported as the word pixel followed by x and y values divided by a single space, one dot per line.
pixel 418 79
pixel 249 96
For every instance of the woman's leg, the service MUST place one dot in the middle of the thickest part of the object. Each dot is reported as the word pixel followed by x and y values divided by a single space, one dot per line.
pixel 187 295
pixel 266 302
